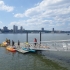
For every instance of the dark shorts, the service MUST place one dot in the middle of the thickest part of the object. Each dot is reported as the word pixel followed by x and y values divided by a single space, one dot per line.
pixel 35 44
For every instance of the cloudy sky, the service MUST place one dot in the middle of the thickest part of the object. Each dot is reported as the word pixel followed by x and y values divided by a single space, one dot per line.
pixel 35 14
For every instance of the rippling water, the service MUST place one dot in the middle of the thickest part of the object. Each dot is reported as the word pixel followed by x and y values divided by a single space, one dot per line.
pixel 45 60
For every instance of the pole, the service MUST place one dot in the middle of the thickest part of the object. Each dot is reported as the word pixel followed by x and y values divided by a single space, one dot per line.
pixel 27 37
pixel 40 37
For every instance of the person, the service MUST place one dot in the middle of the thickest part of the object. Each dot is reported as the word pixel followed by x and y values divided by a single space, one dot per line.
pixel 6 40
pixel 18 43
pixel 12 43
pixel 35 41
pixel 9 42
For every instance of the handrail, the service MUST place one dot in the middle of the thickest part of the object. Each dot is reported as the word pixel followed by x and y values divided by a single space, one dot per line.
pixel 52 41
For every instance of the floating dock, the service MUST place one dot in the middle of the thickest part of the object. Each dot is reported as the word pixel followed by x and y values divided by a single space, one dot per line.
pixel 54 45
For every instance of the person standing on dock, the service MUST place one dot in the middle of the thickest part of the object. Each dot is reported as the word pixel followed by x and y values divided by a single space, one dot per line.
pixel 18 44
pixel 35 41
pixel 9 42
pixel 12 43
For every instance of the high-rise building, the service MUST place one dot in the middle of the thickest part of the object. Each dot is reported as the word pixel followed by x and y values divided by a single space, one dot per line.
pixel 21 28
pixel 42 29
pixel 15 29
pixel 53 29
pixel 5 28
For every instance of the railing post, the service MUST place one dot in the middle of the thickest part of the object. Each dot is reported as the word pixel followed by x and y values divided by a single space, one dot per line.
pixel 40 37
pixel 27 37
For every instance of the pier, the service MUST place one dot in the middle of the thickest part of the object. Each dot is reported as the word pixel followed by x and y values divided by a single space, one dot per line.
pixel 54 45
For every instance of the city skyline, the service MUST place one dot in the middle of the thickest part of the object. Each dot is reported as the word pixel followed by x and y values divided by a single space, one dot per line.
pixel 35 14
pixel 22 30
pixel 16 27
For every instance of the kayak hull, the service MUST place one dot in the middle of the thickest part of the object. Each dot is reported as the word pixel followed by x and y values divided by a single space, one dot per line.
pixel 11 49
pixel 30 50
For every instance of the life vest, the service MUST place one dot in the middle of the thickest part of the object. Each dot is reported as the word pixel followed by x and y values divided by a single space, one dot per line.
pixel 35 40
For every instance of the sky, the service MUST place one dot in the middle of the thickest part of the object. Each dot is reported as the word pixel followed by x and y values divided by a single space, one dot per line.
pixel 35 14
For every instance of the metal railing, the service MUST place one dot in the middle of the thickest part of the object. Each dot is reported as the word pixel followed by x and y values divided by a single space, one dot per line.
pixel 55 45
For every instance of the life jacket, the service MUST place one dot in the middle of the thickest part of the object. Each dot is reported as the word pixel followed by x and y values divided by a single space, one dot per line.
pixel 35 40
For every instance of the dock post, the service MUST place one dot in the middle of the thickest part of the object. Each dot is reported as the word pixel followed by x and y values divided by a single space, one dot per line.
pixel 27 37
pixel 40 37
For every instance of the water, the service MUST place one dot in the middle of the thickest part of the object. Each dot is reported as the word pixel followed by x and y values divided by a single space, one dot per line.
pixel 45 60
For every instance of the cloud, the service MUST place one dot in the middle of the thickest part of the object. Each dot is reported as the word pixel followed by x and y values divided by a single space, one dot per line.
pixel 19 15
pixel 49 13
pixel 5 7
pixel 40 8
pixel 0 22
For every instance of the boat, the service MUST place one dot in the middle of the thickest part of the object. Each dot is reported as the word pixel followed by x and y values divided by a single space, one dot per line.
pixel 11 49
pixel 4 44
pixel 22 51
pixel 28 49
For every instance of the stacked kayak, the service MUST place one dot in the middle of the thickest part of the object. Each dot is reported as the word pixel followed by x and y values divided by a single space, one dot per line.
pixel 29 50
pixel 4 44
pixel 11 49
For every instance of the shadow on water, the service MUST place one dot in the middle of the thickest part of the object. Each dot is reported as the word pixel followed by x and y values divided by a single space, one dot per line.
pixel 50 64
pixel 29 61
pixel 61 60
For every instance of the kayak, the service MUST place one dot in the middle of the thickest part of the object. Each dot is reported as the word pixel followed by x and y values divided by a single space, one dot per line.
pixel 22 51
pixel 11 49
pixel 30 50
pixel 4 44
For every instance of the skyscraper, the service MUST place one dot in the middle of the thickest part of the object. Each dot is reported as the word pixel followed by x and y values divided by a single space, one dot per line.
pixel 21 29
pixel 5 28
pixel 15 29
pixel 53 29
pixel 42 29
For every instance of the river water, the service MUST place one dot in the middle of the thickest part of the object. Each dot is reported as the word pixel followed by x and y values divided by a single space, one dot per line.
pixel 45 60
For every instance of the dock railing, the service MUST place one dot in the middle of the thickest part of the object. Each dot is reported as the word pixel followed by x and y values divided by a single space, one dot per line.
pixel 53 45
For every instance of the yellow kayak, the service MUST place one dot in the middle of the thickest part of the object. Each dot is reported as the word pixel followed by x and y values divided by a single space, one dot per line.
pixel 4 44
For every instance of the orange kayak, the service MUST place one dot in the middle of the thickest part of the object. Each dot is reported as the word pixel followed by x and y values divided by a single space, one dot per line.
pixel 11 49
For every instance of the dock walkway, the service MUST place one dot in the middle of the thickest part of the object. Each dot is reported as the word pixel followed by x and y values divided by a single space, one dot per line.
pixel 54 45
